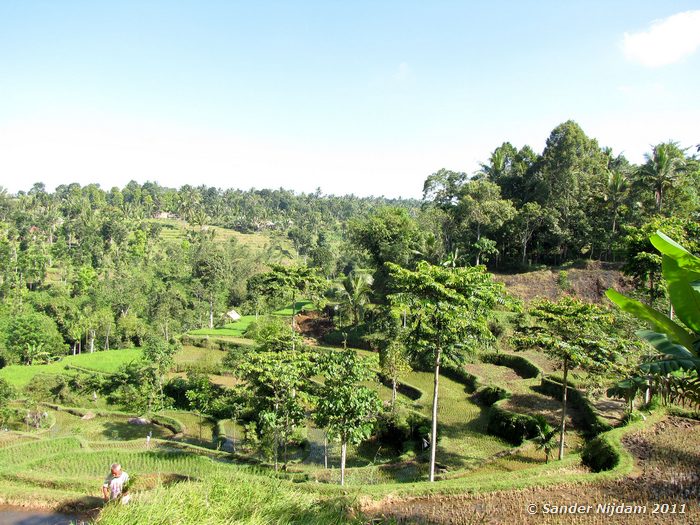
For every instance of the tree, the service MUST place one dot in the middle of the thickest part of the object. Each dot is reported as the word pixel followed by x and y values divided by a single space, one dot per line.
pixel 527 221
pixel 357 288
pixel 481 209
pixel 448 316
pixel 387 235
pixel 545 440
pixel 564 179
pixel 662 170
pixel 346 407
pixel 200 394
pixel 277 371
pixel 211 270
pixel 573 332
pixel 289 282
pixel 160 354
pixel 30 332
pixel 394 363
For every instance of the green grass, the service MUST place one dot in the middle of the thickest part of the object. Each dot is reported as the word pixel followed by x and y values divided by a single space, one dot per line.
pixel 106 361
pixel 197 356
pixel 112 427
pixel 300 305
pixel 235 329
pixel 234 498
pixel 176 230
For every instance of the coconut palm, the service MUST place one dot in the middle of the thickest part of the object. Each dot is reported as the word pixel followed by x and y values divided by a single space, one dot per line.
pixel 357 289
pixel 662 169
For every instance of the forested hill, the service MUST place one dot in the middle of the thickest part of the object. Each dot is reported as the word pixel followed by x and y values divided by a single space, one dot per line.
pixel 86 266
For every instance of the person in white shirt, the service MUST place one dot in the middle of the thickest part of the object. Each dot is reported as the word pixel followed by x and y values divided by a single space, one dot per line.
pixel 114 483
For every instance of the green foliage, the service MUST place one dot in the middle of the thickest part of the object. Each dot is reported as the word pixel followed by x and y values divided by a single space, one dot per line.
pixel 34 336
pixel 345 407
pixel 601 453
pixel 571 330
pixel 6 392
pixel 523 367
pixel 489 395
pixel 677 344
pixel 448 308
pixel 642 259
pixel 514 428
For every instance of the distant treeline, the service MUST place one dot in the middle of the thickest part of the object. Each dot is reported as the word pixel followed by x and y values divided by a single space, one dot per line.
pixel 97 268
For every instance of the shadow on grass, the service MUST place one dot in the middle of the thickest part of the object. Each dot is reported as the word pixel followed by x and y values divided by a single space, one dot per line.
pixel 126 431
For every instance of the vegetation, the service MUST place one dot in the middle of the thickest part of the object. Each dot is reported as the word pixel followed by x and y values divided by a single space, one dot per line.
pixel 119 341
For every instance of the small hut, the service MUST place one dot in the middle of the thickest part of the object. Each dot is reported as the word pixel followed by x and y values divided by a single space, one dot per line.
pixel 233 315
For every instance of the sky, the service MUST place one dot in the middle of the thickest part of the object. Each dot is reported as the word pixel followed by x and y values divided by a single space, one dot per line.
pixel 362 97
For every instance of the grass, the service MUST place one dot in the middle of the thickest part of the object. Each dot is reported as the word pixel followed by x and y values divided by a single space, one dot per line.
pixel 176 230
pixel 235 329
pixel 112 427
pixel 299 306
pixel 197 356
pixel 234 498
pixel 105 361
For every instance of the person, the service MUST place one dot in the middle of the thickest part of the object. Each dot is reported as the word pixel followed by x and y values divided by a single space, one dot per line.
pixel 113 487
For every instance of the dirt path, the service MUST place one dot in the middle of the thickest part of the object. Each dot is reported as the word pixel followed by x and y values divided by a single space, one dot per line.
pixel 668 472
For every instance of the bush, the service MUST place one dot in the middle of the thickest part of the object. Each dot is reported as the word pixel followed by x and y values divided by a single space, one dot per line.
pixel 400 431
pixel 601 453
pixel 524 368
pixel 34 335
pixel 514 428
pixel 489 395
pixel 49 387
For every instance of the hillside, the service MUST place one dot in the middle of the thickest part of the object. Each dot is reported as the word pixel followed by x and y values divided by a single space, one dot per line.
pixel 585 279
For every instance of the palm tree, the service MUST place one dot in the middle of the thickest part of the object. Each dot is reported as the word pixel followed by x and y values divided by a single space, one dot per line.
pixel 358 286
pixel 615 191
pixel 662 169
pixel 545 441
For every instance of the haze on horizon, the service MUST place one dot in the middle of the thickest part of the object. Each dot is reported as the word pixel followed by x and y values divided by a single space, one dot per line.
pixel 368 98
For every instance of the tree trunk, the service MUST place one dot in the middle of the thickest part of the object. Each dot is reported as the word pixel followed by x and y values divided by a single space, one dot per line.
pixel 211 313
pixel 393 392
pixel 325 449
pixel 433 432
pixel 286 440
pixel 563 412
pixel 92 341
pixel 109 329
pixel 343 454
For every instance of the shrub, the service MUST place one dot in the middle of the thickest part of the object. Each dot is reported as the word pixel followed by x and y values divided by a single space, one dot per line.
pixel 601 453
pixel 523 367
pixel 514 428
pixel 400 431
pixel 49 387
pixel 489 395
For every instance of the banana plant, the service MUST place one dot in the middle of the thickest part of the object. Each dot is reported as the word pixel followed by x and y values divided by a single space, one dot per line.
pixel 676 340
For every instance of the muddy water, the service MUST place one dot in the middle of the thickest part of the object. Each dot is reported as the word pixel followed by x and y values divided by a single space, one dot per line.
pixel 20 516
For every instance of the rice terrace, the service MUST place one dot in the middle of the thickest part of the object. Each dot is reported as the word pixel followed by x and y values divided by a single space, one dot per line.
pixel 513 338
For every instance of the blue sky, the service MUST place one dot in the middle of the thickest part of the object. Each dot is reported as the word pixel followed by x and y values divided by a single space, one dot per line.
pixel 352 97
